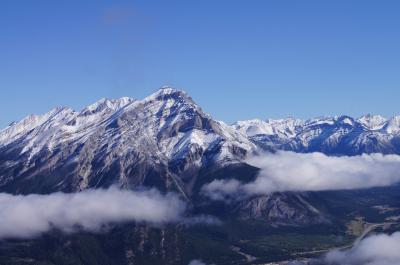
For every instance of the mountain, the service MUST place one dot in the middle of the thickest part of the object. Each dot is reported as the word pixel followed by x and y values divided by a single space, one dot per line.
pixel 340 135
pixel 168 142
pixel 162 141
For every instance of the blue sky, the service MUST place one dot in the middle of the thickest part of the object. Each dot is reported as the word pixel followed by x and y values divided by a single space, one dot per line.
pixel 237 59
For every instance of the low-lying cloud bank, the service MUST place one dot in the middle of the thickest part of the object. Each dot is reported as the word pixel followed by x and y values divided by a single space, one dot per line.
pixel 374 250
pixel 31 215
pixel 289 171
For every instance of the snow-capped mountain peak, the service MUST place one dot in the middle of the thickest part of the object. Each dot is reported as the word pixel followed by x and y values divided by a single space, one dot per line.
pixel 346 120
pixel 164 132
pixel 105 104
pixel 283 127
pixel 169 94
pixel 18 129
pixel 392 126
pixel 253 127
pixel 372 122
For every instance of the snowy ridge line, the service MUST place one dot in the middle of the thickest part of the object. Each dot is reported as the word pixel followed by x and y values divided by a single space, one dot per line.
pixel 153 118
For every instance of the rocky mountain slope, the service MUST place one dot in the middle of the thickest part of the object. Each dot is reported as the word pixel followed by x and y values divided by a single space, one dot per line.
pixel 162 141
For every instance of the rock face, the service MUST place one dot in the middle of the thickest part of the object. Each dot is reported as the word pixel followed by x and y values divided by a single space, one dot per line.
pixel 280 208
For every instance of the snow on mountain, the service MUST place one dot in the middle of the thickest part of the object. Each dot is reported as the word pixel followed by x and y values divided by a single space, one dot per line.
pixel 164 140
pixel 106 105
pixel 157 126
pixel 392 126
pixel 123 141
pixel 372 122
pixel 339 135
pixel 37 132
pixel 18 129
pixel 282 127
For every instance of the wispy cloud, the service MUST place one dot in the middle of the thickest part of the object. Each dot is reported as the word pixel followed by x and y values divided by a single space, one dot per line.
pixel 197 262
pixel 288 171
pixel 375 250
pixel 30 215
pixel 223 189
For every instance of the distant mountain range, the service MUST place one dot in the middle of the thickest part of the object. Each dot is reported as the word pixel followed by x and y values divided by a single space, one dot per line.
pixel 339 135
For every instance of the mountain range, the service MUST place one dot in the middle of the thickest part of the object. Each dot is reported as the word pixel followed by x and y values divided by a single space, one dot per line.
pixel 166 141
pixel 339 135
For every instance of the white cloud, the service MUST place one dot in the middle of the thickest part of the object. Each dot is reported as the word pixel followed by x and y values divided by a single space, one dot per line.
pixel 30 215
pixel 288 171
pixel 222 189
pixel 196 262
pixel 375 250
